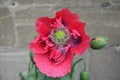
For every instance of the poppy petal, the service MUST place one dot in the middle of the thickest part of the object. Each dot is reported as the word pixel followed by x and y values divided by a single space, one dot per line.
pixel 78 26
pixel 37 47
pixel 43 25
pixel 67 16
pixel 46 66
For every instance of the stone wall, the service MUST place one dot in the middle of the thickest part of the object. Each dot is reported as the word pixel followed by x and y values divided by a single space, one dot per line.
pixel 17 29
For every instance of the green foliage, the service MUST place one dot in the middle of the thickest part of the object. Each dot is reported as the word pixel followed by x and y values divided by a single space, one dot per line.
pixel 21 76
pixel 67 77
pixel 40 76
pixel 50 78
pixel 31 54
pixel 33 72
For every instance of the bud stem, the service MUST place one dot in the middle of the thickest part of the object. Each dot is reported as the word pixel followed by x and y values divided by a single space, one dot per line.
pixel 84 62
pixel 81 59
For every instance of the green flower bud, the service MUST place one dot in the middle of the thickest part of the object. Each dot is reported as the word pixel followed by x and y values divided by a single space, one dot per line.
pixel 98 42
pixel 84 75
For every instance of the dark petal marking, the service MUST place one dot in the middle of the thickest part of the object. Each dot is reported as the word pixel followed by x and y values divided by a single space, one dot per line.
pixel 75 41
pixel 93 39
pixel 43 43
pixel 63 23
pixel 53 60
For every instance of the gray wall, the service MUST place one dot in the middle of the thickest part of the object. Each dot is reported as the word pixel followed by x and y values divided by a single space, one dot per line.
pixel 17 29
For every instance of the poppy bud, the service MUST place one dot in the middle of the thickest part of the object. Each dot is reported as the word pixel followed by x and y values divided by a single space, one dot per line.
pixel 84 75
pixel 98 42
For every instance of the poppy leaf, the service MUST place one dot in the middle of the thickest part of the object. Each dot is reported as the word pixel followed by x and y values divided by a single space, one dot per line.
pixel 32 74
pixel 40 76
pixel 21 76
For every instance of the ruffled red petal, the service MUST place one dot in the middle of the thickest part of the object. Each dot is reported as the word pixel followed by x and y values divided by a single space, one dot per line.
pixel 66 16
pixel 37 47
pixel 55 54
pixel 48 67
pixel 78 26
pixel 85 39
pixel 58 56
pixel 43 25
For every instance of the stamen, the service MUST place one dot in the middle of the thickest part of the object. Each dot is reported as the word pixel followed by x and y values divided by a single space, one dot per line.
pixel 60 36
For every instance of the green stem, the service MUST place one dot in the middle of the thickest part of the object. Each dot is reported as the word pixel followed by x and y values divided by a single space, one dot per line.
pixel 29 66
pixel 36 74
pixel 84 62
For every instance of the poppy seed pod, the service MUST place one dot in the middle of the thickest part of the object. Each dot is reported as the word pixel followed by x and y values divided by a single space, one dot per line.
pixel 98 42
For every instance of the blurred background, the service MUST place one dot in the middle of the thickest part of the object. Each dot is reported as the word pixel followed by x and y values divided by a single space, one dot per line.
pixel 17 29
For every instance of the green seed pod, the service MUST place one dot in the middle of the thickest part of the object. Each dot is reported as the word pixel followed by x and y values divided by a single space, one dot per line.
pixel 98 42
pixel 84 75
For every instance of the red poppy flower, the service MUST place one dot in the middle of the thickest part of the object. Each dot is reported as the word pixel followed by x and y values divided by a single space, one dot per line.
pixel 59 39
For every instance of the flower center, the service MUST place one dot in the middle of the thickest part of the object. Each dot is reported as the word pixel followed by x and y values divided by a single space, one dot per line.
pixel 60 36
